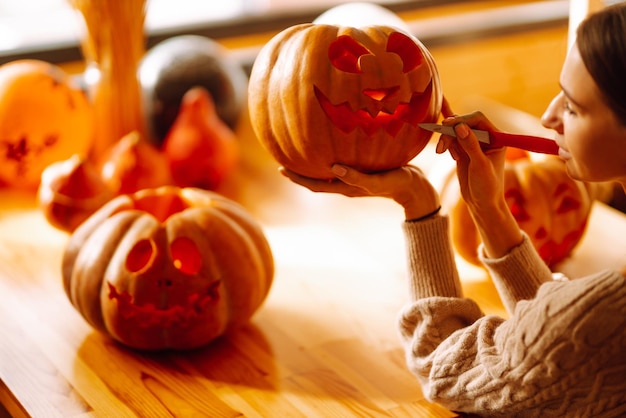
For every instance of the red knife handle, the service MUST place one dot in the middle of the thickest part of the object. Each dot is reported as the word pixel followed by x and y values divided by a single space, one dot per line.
pixel 526 142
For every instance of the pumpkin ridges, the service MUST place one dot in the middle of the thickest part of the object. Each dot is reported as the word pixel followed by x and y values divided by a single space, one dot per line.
pixel 290 123
pixel 244 282
pixel 240 216
pixel 261 100
pixel 98 249
pixel 131 274
pixel 84 230
pixel 140 225
pixel 294 112
pixel 189 224
pixel 281 112
pixel 436 81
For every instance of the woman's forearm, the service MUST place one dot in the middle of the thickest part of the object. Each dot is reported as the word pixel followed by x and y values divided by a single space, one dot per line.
pixel 498 229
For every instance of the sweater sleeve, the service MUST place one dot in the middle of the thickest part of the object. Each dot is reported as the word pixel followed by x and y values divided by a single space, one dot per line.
pixel 431 259
pixel 518 275
pixel 434 283
pixel 558 354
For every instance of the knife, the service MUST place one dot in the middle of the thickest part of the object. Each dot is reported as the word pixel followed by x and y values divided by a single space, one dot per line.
pixel 502 139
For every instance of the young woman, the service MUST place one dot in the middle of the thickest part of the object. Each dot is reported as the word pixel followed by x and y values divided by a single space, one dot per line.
pixel 562 351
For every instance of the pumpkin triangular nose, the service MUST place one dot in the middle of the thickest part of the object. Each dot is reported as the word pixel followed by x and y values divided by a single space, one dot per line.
pixel 380 94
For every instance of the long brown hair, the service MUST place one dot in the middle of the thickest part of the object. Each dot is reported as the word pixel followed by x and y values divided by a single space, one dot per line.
pixel 601 40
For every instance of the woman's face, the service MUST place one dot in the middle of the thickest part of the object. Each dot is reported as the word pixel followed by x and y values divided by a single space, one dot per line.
pixel 592 141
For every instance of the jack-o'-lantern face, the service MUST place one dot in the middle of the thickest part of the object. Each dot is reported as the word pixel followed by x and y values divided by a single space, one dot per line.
pixel 549 206
pixel 167 268
pixel 392 85
pixel 324 94
pixel 164 287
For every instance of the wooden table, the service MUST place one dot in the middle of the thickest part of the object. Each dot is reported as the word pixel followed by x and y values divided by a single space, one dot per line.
pixel 324 344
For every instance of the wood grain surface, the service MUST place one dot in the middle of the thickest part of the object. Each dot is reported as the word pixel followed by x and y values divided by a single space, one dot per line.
pixel 324 344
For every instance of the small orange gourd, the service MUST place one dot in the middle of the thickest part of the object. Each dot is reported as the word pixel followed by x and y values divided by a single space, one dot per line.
pixel 132 164
pixel 70 191
pixel 321 94
pixel 168 268
pixel 201 149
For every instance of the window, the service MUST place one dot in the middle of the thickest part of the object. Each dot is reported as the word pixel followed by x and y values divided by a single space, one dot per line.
pixel 30 27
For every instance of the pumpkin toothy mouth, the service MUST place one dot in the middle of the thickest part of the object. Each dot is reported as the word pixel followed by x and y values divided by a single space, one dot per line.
pixel 347 120
pixel 552 251
pixel 149 314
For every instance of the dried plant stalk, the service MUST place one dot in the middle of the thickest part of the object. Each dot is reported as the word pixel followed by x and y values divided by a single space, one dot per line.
pixel 114 44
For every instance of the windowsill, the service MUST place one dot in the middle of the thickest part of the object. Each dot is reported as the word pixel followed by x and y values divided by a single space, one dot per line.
pixel 430 29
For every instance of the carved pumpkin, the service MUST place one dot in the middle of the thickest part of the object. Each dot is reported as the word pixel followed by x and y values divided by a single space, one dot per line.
pixel 322 94
pixel 547 204
pixel 167 268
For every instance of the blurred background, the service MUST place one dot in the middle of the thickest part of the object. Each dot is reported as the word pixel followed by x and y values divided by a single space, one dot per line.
pixel 51 27
pixel 37 24
pixel 509 51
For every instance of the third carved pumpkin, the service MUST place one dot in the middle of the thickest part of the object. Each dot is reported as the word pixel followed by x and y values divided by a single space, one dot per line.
pixel 551 207
pixel 322 94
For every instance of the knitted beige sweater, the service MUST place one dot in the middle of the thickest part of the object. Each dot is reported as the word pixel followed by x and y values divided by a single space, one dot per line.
pixel 562 352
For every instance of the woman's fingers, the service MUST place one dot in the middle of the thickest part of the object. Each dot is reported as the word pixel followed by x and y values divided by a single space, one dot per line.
pixel 310 183
pixel 446 110
pixel 476 120
pixel 326 186
pixel 467 139
pixel 362 184
pixel 444 143
pixel 353 183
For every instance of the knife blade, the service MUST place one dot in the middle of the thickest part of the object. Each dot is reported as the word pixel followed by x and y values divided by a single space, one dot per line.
pixel 502 139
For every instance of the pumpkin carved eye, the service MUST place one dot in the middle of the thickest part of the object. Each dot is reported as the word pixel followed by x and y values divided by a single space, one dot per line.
pixel 406 49
pixel 568 203
pixel 186 256
pixel 141 256
pixel 344 53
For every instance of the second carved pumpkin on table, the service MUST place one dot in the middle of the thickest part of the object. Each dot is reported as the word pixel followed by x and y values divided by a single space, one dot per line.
pixel 321 94
pixel 551 207
pixel 168 268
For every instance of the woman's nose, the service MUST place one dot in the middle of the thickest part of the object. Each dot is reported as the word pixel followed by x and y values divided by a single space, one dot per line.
pixel 552 118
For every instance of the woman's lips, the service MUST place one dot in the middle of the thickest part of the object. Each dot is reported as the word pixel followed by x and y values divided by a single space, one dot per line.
pixel 564 154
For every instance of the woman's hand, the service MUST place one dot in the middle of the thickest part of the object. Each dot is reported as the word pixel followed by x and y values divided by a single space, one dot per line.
pixel 480 170
pixel 481 175
pixel 406 185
